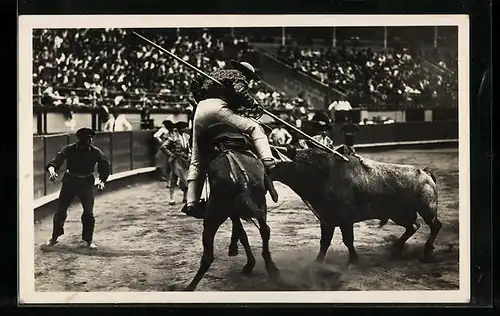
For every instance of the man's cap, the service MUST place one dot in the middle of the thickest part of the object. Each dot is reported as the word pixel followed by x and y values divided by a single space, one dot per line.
pixel 85 132
pixel 167 123
pixel 245 68
pixel 320 126
pixel 180 125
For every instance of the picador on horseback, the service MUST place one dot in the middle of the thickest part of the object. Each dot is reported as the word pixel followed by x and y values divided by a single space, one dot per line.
pixel 224 104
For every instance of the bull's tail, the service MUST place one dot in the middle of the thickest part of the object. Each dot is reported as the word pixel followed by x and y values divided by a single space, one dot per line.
pixel 429 172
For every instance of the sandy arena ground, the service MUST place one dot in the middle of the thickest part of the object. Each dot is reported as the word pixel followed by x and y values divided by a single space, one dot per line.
pixel 147 245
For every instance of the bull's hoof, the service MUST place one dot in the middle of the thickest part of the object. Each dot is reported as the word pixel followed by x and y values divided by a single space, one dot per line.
pixel 233 251
pixel 320 259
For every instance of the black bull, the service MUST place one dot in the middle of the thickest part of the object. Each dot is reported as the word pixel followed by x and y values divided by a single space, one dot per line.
pixel 343 193
pixel 340 193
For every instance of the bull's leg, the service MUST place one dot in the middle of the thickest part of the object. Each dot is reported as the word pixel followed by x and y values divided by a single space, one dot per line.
pixel 233 246
pixel 242 236
pixel 265 233
pixel 211 224
pixel 410 230
pixel 348 239
pixel 435 226
pixel 409 222
pixel 326 239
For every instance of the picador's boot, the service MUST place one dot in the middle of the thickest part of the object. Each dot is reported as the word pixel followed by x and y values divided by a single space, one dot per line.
pixel 269 164
pixel 193 206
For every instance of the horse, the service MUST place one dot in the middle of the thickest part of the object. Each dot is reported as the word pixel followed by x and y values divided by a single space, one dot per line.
pixel 238 185
pixel 342 193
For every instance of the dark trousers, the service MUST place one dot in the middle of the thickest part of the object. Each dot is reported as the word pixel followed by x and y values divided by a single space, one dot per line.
pixel 84 189
pixel 349 140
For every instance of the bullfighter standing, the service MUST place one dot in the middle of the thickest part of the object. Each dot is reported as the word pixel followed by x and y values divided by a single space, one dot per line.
pixel 177 149
pixel 78 180
pixel 218 105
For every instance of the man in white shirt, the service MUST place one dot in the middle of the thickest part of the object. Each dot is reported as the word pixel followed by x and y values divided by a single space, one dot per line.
pixel 280 136
pixel 117 123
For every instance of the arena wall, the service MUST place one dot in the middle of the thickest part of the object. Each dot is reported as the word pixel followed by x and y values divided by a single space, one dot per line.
pixel 132 153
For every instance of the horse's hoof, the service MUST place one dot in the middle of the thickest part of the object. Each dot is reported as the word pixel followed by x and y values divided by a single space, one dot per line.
pixel 247 270
pixel 274 274
pixel 397 250
pixel 233 252
pixel 353 260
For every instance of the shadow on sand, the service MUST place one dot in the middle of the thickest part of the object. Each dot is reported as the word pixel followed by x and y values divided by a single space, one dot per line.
pixel 100 252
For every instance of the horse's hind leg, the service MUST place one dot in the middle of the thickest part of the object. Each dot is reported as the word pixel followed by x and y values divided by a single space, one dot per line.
pixel 326 240
pixel 348 239
pixel 210 226
pixel 233 246
pixel 242 235
pixel 265 233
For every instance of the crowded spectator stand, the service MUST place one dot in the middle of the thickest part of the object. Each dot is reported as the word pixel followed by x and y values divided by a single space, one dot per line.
pixel 91 70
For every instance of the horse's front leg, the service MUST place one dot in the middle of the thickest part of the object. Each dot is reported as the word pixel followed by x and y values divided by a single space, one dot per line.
pixel 211 224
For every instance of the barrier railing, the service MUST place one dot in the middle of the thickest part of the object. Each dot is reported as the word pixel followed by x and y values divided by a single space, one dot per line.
pixel 125 150
pixel 134 150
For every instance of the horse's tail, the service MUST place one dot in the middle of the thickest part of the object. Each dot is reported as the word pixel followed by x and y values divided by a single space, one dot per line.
pixel 429 172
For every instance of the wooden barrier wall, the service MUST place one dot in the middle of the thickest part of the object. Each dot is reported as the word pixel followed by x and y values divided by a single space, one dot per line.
pixel 134 150
pixel 125 150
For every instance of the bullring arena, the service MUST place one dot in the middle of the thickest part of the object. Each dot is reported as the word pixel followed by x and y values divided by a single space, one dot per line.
pixel 147 245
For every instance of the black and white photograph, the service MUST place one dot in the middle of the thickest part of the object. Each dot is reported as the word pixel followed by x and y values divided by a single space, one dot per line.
pixel 245 159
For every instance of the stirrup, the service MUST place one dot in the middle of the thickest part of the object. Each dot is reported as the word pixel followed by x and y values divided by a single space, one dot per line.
pixel 194 210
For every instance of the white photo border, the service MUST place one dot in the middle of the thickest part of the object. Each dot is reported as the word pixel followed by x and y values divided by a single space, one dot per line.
pixel 27 23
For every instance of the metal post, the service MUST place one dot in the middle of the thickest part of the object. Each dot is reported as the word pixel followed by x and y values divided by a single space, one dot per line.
pixel 334 36
pixel 232 32
pixel 435 36
pixel 131 150
pixel 283 36
pixel 385 37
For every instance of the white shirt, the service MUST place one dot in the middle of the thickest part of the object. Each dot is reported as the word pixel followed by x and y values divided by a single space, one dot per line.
pixel 162 133
pixel 280 136
pixel 118 124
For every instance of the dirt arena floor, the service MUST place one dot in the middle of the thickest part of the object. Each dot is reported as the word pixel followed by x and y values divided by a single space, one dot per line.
pixel 147 245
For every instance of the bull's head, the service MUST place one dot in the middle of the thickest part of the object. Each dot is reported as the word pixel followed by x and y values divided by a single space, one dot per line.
pixel 306 174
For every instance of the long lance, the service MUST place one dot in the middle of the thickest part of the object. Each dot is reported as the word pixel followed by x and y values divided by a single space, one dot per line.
pixel 272 115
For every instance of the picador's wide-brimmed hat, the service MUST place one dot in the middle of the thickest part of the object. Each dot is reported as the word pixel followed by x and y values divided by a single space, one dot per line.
pixel 180 125
pixel 168 124
pixel 245 68
pixel 85 132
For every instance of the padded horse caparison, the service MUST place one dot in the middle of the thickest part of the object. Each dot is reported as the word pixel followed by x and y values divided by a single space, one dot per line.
pixel 223 137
